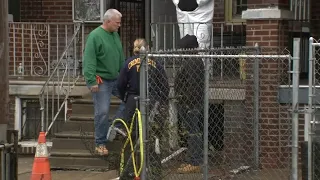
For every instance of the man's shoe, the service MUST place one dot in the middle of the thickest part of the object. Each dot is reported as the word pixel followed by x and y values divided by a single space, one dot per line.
pixel 189 169
pixel 102 150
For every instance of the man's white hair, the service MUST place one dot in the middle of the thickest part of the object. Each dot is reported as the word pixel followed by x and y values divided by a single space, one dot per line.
pixel 111 13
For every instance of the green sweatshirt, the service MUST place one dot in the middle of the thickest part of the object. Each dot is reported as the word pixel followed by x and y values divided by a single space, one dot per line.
pixel 103 56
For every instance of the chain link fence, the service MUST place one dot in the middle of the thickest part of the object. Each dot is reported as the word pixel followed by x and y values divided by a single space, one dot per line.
pixel 312 164
pixel 214 114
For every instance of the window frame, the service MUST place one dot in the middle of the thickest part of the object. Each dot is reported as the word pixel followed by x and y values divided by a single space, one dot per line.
pixel 228 13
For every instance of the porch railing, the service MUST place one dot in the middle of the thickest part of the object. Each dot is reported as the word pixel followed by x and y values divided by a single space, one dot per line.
pixel 166 34
pixel 62 79
pixel 35 48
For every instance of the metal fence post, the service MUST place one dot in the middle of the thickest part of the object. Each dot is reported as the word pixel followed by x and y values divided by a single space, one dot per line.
pixel 206 118
pixel 12 138
pixel 256 90
pixel 4 66
pixel 143 108
pixel 3 162
pixel 310 107
pixel 8 163
pixel 295 108
pixel 42 109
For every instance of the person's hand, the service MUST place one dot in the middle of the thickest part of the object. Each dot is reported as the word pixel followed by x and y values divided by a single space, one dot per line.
pixel 94 88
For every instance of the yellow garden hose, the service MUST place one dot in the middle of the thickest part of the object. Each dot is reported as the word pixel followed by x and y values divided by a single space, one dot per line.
pixel 129 140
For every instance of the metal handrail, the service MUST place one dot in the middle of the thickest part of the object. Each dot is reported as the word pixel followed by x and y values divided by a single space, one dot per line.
pixel 50 78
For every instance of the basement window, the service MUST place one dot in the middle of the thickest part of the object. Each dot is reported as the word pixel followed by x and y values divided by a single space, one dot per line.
pixel 31 119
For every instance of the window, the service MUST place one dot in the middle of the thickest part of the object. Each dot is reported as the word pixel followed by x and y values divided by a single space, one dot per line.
pixel 233 10
pixel 14 9
pixel 31 119
pixel 300 9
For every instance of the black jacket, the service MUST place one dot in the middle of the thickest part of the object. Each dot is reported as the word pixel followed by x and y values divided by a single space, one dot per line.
pixel 189 83
pixel 129 79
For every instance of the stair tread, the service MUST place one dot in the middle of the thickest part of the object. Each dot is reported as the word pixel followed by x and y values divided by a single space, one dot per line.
pixel 74 134
pixel 81 117
pixel 78 152
pixel 101 163
pixel 114 100
pixel 80 122
pixel 78 125
pixel 89 118
pixel 83 152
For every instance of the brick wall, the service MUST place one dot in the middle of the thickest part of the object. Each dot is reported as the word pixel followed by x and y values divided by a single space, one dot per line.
pixel 274 120
pixel 315 19
pixel 267 33
pixel 46 10
pixel 218 11
pixel 266 3
pixel 11 112
pixel 274 123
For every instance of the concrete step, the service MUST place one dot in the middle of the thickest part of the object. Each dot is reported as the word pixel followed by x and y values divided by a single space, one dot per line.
pixel 73 134
pixel 88 109
pixel 71 153
pixel 75 150
pixel 73 147
pixel 89 118
pixel 114 101
pixel 84 143
pixel 79 123
pixel 83 126
pixel 85 163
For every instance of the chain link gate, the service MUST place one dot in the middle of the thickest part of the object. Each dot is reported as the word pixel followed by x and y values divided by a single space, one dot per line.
pixel 204 122
pixel 312 132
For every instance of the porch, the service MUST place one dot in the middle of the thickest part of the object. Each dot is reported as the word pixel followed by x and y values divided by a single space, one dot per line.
pixel 36 49
pixel 40 46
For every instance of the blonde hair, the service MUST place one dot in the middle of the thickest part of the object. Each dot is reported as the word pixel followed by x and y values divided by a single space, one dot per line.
pixel 138 43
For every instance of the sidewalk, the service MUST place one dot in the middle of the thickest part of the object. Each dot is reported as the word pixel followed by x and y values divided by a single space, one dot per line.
pixel 25 168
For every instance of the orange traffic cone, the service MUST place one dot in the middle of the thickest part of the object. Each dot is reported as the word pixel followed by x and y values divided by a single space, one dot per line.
pixel 41 165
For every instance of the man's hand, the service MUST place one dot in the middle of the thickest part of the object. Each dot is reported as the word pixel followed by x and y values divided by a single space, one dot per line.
pixel 94 88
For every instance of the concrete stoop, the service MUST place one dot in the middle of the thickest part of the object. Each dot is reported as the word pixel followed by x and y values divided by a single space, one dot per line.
pixel 73 147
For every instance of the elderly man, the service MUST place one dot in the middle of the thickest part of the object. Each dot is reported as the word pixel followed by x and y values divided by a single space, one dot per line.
pixel 103 59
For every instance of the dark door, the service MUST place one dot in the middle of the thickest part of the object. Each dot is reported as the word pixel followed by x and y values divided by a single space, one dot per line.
pixel 133 23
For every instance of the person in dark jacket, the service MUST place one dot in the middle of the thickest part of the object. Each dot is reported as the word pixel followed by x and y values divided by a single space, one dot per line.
pixel 158 93
pixel 128 81
pixel 189 90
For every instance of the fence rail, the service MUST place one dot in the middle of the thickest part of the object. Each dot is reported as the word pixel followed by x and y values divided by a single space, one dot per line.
pixel 195 134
